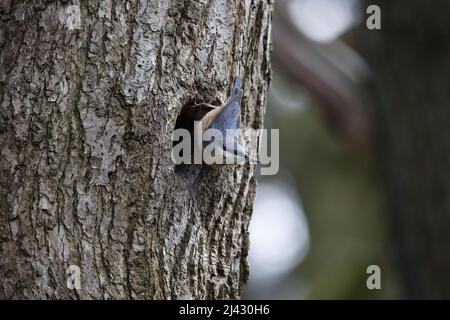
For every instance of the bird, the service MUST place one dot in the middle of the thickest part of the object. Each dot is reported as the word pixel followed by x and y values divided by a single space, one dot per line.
pixel 224 118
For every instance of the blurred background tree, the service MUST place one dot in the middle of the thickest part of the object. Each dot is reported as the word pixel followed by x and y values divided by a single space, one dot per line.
pixel 363 117
pixel 411 101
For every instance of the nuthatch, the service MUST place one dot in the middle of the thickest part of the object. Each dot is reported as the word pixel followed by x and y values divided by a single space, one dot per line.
pixel 224 118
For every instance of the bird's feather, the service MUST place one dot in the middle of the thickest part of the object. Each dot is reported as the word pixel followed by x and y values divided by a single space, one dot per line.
pixel 228 118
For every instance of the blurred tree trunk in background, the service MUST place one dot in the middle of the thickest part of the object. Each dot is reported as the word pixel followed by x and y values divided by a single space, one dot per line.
pixel 410 60
pixel 86 117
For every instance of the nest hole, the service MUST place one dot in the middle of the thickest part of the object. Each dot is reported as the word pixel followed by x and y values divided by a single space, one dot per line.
pixel 190 112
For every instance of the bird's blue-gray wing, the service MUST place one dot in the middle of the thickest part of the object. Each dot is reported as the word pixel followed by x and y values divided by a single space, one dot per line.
pixel 229 118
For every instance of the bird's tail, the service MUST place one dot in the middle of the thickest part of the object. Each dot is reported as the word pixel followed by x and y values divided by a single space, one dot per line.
pixel 237 83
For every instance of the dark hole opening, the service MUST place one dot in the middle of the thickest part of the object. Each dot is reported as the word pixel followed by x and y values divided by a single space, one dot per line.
pixel 190 112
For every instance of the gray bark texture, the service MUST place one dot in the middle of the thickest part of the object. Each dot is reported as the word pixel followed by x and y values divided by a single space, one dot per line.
pixel 86 117
pixel 410 91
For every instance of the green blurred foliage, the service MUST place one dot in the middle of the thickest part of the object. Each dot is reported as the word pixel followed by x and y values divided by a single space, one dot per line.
pixel 341 198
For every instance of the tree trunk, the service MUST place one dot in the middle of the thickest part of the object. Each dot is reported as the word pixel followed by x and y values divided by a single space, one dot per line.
pixel 86 117
pixel 411 66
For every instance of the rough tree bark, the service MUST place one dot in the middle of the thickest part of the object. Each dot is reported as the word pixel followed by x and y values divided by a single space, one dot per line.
pixel 411 66
pixel 86 118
